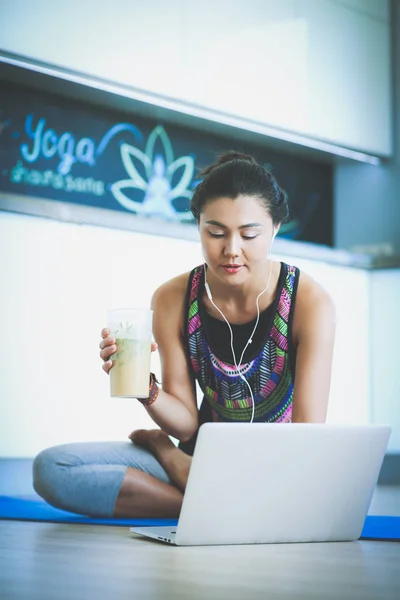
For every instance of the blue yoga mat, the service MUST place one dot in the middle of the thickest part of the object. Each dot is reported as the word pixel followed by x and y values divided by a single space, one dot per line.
pixel 33 508
pixel 381 528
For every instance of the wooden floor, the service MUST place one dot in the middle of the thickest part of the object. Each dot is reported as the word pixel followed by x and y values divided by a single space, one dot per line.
pixel 45 561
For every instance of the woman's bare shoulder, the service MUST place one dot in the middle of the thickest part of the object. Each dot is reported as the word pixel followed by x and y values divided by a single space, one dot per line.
pixel 313 303
pixel 172 292
pixel 310 289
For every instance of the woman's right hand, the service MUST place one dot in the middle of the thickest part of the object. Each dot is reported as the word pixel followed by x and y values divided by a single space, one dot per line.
pixel 108 347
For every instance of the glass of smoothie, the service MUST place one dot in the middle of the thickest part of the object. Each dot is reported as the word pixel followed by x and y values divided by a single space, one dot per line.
pixel 130 373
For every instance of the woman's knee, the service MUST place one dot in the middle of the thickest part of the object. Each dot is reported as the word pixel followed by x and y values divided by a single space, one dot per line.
pixel 46 472
pixel 40 471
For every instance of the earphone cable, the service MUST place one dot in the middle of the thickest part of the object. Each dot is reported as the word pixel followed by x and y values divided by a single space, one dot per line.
pixel 249 341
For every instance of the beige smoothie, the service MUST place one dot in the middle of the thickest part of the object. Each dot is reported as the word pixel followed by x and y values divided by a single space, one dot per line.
pixel 130 373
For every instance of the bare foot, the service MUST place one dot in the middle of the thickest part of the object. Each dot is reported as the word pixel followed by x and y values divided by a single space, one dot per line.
pixel 175 462
pixel 154 440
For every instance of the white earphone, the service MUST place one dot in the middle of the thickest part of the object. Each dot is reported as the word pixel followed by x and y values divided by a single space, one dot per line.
pixel 249 341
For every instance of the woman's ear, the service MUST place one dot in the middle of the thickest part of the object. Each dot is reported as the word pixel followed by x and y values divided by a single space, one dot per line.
pixel 276 230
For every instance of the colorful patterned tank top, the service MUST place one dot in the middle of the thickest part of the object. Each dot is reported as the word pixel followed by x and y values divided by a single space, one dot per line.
pixel 269 371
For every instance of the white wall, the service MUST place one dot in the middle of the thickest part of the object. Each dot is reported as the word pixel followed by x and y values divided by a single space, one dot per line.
pixel 385 363
pixel 320 68
pixel 58 279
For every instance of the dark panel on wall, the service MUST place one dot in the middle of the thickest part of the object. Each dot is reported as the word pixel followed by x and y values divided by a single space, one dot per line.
pixel 65 150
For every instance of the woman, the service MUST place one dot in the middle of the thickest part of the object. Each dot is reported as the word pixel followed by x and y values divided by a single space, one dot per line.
pixel 256 335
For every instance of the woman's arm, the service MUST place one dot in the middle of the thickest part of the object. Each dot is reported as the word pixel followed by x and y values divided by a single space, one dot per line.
pixel 313 334
pixel 175 409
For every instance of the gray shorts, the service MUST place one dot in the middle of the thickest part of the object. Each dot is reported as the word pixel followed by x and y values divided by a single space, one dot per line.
pixel 85 478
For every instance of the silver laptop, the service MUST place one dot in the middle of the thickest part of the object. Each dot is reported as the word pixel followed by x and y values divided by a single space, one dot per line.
pixel 271 483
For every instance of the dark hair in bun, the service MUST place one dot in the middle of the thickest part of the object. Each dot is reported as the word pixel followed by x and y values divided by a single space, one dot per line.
pixel 236 174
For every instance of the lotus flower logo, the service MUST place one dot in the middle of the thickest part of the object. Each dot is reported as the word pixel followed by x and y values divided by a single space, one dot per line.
pixel 159 172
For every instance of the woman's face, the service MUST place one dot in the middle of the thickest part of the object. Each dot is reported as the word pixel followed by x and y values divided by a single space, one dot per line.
pixel 236 238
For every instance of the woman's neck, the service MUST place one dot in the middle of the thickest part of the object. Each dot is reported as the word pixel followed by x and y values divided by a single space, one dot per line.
pixel 237 299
